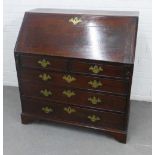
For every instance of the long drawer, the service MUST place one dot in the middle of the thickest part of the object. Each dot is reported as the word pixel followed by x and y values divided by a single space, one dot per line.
pixel 76 81
pixel 55 111
pixel 75 96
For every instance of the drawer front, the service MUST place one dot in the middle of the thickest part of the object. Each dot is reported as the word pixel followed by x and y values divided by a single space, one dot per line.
pixel 70 113
pixel 116 71
pixel 76 97
pixel 76 81
pixel 43 62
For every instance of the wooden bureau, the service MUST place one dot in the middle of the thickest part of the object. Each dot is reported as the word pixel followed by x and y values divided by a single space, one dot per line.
pixel 76 67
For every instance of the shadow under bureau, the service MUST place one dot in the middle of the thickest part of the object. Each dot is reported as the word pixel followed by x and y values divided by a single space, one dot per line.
pixel 76 67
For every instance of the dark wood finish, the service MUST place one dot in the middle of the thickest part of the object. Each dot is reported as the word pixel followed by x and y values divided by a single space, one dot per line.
pixel 77 66
pixel 108 85
pixel 32 61
pixel 110 69
pixel 119 136
pixel 108 102
pixel 80 115
pixel 117 71
pixel 27 119
pixel 39 35
pixel 48 43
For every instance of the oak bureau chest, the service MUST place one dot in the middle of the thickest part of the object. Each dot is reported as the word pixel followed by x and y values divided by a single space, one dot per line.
pixel 76 67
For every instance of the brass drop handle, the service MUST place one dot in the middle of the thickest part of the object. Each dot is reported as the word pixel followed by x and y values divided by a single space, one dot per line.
pixel 69 110
pixel 95 83
pixel 68 78
pixel 46 92
pixel 75 20
pixel 44 63
pixel 47 110
pixel 45 77
pixel 68 93
pixel 94 100
pixel 93 118
pixel 95 69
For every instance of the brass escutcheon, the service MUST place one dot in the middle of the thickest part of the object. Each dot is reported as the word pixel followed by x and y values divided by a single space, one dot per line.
pixel 93 118
pixel 95 83
pixel 45 77
pixel 68 78
pixel 94 100
pixel 47 110
pixel 69 110
pixel 46 92
pixel 95 69
pixel 44 63
pixel 75 20
pixel 68 93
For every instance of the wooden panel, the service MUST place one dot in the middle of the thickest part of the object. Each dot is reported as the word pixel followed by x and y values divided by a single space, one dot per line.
pixel 73 114
pixel 89 99
pixel 104 38
pixel 43 62
pixel 116 71
pixel 85 82
pixel 96 68
pixel 77 20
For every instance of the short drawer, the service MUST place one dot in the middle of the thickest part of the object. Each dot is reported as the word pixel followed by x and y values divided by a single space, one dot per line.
pixel 43 62
pixel 75 81
pixel 78 97
pixel 115 71
pixel 66 112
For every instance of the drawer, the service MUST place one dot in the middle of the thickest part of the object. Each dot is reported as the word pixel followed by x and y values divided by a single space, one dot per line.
pixel 43 62
pixel 75 81
pixel 78 97
pixel 115 71
pixel 68 113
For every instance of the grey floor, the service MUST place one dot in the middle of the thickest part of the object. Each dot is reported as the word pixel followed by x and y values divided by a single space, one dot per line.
pixel 53 139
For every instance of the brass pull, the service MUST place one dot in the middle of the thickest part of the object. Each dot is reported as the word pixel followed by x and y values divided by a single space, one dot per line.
pixel 68 93
pixel 47 110
pixel 95 84
pixel 68 78
pixel 95 69
pixel 45 77
pixel 75 20
pixel 69 110
pixel 46 93
pixel 94 100
pixel 93 118
pixel 44 63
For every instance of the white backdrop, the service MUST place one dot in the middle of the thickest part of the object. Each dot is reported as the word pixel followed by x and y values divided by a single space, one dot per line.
pixel 142 82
